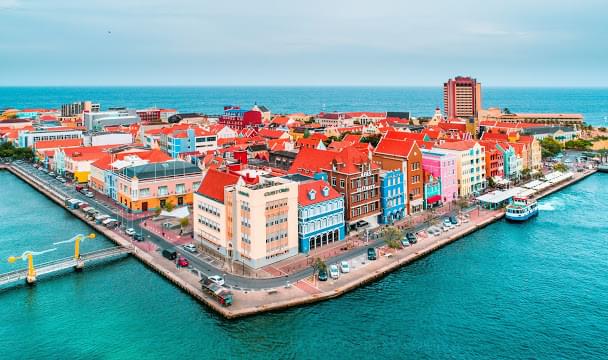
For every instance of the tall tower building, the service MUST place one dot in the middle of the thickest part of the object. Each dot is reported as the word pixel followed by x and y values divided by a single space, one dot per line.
pixel 461 98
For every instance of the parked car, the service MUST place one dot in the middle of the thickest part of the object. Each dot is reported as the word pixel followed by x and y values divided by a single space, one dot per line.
pixel 371 254
pixel 61 179
pixel 405 242
pixel 454 220
pixel 334 273
pixel 322 275
pixel 138 237
pixel 171 255
pixel 217 279
pixel 190 247
pixel 130 231
pixel 89 195
pixel 182 262
pixel 447 223
pixel 344 267
pixel 52 173
pixel 411 237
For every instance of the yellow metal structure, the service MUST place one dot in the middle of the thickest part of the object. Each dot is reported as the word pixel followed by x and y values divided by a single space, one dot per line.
pixel 77 241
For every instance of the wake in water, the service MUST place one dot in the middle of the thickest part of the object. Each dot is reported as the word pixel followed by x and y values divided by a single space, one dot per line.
pixel 551 205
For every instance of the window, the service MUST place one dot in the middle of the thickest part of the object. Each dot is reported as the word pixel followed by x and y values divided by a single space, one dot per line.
pixel 342 183
pixel 180 188
pixel 333 181
pixel 144 192
pixel 163 190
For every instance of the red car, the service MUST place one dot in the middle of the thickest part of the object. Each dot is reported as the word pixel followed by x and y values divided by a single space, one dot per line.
pixel 182 262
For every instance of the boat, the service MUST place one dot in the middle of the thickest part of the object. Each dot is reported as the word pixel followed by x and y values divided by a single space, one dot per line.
pixel 521 209
pixel 602 168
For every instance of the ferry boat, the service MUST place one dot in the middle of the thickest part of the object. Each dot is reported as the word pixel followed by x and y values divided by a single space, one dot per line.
pixel 521 209
pixel 603 168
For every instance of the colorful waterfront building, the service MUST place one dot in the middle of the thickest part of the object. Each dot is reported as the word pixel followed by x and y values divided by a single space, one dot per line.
pixel 494 160
pixel 152 186
pixel 432 191
pixel 246 217
pixel 352 174
pixel 392 196
pixel 513 165
pixel 403 155
pixel 470 165
pixel 75 162
pixel 441 165
pixel 320 215
pixel 103 177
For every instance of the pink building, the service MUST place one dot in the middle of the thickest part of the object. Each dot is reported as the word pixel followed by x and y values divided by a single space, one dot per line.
pixel 442 165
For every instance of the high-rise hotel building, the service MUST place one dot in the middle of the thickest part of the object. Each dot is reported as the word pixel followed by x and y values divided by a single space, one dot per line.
pixel 461 98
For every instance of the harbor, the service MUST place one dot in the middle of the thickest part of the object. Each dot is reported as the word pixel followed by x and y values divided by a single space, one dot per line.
pixel 306 290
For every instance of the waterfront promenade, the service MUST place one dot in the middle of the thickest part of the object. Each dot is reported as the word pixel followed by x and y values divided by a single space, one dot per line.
pixel 299 288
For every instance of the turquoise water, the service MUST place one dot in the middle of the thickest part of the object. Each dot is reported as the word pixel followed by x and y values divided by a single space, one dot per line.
pixel 421 101
pixel 533 290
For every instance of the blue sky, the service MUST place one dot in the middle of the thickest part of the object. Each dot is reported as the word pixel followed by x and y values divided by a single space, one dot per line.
pixel 313 42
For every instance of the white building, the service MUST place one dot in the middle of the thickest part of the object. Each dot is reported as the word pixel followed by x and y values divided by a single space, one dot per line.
pixel 97 121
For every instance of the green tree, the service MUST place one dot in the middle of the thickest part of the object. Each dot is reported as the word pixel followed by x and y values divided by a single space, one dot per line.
pixel 550 147
pixel 169 206
pixel 392 237
pixel 317 265
pixel 491 182
pixel 579 144
pixel 183 222
pixel 373 139
pixel 157 211
pixel 306 133
pixel 561 167
pixel 525 173
pixel 506 111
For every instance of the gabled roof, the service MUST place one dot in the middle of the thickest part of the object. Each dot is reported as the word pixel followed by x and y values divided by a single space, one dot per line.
pixel 270 134
pixel 317 186
pixel 400 148
pixel 214 182
pixel 311 161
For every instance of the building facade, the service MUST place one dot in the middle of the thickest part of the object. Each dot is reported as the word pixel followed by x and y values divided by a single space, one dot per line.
pixel 461 98
pixel 392 196
pixel 441 165
pixel 320 215
pixel 470 165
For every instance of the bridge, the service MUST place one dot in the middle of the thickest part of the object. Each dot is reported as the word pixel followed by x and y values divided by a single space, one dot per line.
pixel 63 264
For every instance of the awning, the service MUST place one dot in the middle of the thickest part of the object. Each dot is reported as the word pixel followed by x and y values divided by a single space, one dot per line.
pixel 433 199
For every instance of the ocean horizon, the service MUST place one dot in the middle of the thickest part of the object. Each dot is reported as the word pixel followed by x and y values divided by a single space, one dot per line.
pixel 591 102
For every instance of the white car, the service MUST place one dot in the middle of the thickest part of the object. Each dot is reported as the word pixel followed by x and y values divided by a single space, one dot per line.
pixel 89 195
pixel 190 247
pixel 130 231
pixel 217 279
pixel 447 223
pixel 344 267
pixel 333 271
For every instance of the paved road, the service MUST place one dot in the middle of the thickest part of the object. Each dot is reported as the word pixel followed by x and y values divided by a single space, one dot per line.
pixel 198 262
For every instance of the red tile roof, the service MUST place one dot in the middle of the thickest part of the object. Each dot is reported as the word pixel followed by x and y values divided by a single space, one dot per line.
pixel 64 143
pixel 316 185
pixel 310 161
pixel 271 134
pixel 401 148
pixel 214 182
pixel 460 145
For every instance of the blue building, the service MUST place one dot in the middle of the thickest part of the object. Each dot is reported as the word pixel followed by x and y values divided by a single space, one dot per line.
pixel 183 141
pixel 320 215
pixel 392 197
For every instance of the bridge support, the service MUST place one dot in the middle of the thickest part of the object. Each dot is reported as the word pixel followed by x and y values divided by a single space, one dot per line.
pixel 79 265
pixel 30 279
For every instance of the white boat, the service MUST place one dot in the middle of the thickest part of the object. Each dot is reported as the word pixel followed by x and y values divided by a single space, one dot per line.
pixel 521 209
